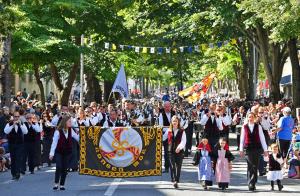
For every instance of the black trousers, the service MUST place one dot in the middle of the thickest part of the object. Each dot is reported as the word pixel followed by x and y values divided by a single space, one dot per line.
pixel 46 150
pixel 213 141
pixel 284 146
pixel 175 165
pixel 189 136
pixel 62 162
pixel 29 155
pixel 252 156
pixel 166 157
pixel 16 153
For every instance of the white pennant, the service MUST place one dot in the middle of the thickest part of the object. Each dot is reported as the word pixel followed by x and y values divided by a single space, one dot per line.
pixel 137 49
pixel 152 50
pixel 197 48
pixel 181 48
pixel 240 39
pixel 168 50
pixel 106 45
pixel 122 47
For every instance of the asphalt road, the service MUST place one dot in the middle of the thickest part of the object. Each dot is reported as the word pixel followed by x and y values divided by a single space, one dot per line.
pixel 41 184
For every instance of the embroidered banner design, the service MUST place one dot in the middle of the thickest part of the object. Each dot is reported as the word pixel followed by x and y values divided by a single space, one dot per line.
pixel 121 151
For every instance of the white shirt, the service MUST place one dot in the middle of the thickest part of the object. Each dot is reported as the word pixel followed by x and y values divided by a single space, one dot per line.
pixel 205 118
pixel 261 137
pixel 226 120
pixel 56 138
pixel 8 128
pixel 37 127
pixel 181 146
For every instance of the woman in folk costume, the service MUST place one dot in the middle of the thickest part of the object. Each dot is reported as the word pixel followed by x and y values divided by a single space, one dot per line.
pixel 275 166
pixel 205 170
pixel 176 138
pixel 62 148
pixel 223 158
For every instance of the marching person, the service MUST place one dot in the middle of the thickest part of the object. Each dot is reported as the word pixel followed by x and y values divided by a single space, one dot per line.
pixel 48 131
pixel 176 138
pixel 213 125
pixel 165 120
pixel 253 142
pixel 238 120
pixel 113 120
pixel 275 162
pixel 15 131
pixel 62 149
pixel 29 143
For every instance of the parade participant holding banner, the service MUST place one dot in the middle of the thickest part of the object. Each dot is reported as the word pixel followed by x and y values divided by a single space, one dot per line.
pixel 176 138
pixel 253 142
pixel 62 148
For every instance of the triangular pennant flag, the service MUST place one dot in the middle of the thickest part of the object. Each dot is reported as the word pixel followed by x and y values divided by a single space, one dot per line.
pixel 203 47
pixel 159 50
pixel 152 50
pixel 181 48
pixel 175 50
pixel 225 42
pixel 144 50
pixel 113 47
pixel 240 39
pixel 196 48
pixel 211 45
pixel 122 47
pixel 106 45
pixel 219 44
pixel 120 84
pixel 137 49
pixel 190 49
pixel 233 41
pixel 168 50
pixel 129 47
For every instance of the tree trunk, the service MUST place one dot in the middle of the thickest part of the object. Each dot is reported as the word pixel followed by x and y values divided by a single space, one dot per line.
pixel 6 73
pixel 273 57
pixel 107 89
pixel 39 83
pixel 98 93
pixel 293 53
pixel 93 88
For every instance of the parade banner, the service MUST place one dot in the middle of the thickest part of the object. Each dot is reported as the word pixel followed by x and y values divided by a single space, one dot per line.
pixel 120 152
pixel 198 90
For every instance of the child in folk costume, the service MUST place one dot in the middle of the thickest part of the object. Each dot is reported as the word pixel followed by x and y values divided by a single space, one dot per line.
pixel 223 158
pixel 275 166
pixel 205 171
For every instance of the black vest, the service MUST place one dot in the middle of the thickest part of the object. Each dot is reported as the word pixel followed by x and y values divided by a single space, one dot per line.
pixel 118 124
pixel 175 141
pixel 30 136
pixel 211 129
pixel 15 137
pixel 273 164
pixel 166 121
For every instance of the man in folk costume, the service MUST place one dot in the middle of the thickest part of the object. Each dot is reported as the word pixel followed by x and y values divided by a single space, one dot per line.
pixel 253 142
pixel 165 120
pixel 113 120
pixel 57 118
pixel 212 125
pixel 15 131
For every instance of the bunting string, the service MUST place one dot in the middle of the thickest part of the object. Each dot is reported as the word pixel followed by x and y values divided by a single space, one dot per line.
pixel 168 50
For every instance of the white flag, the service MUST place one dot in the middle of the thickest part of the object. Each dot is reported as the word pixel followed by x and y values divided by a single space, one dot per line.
pixel 120 84
pixel 106 45
pixel 152 50
pixel 122 47
pixel 168 50
pixel 137 49
pixel 181 48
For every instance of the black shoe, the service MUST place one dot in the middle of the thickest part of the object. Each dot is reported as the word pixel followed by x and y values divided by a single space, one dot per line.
pixel 251 187
pixel 62 188
pixel 175 185
pixel 280 187
pixel 18 177
pixel 32 172
pixel 55 187
pixel 22 172
pixel 272 188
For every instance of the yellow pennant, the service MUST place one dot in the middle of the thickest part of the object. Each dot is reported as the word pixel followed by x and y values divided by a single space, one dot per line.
pixel 113 47
pixel 144 50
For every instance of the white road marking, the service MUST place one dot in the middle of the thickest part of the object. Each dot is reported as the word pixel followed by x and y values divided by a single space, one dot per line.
pixel 113 186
